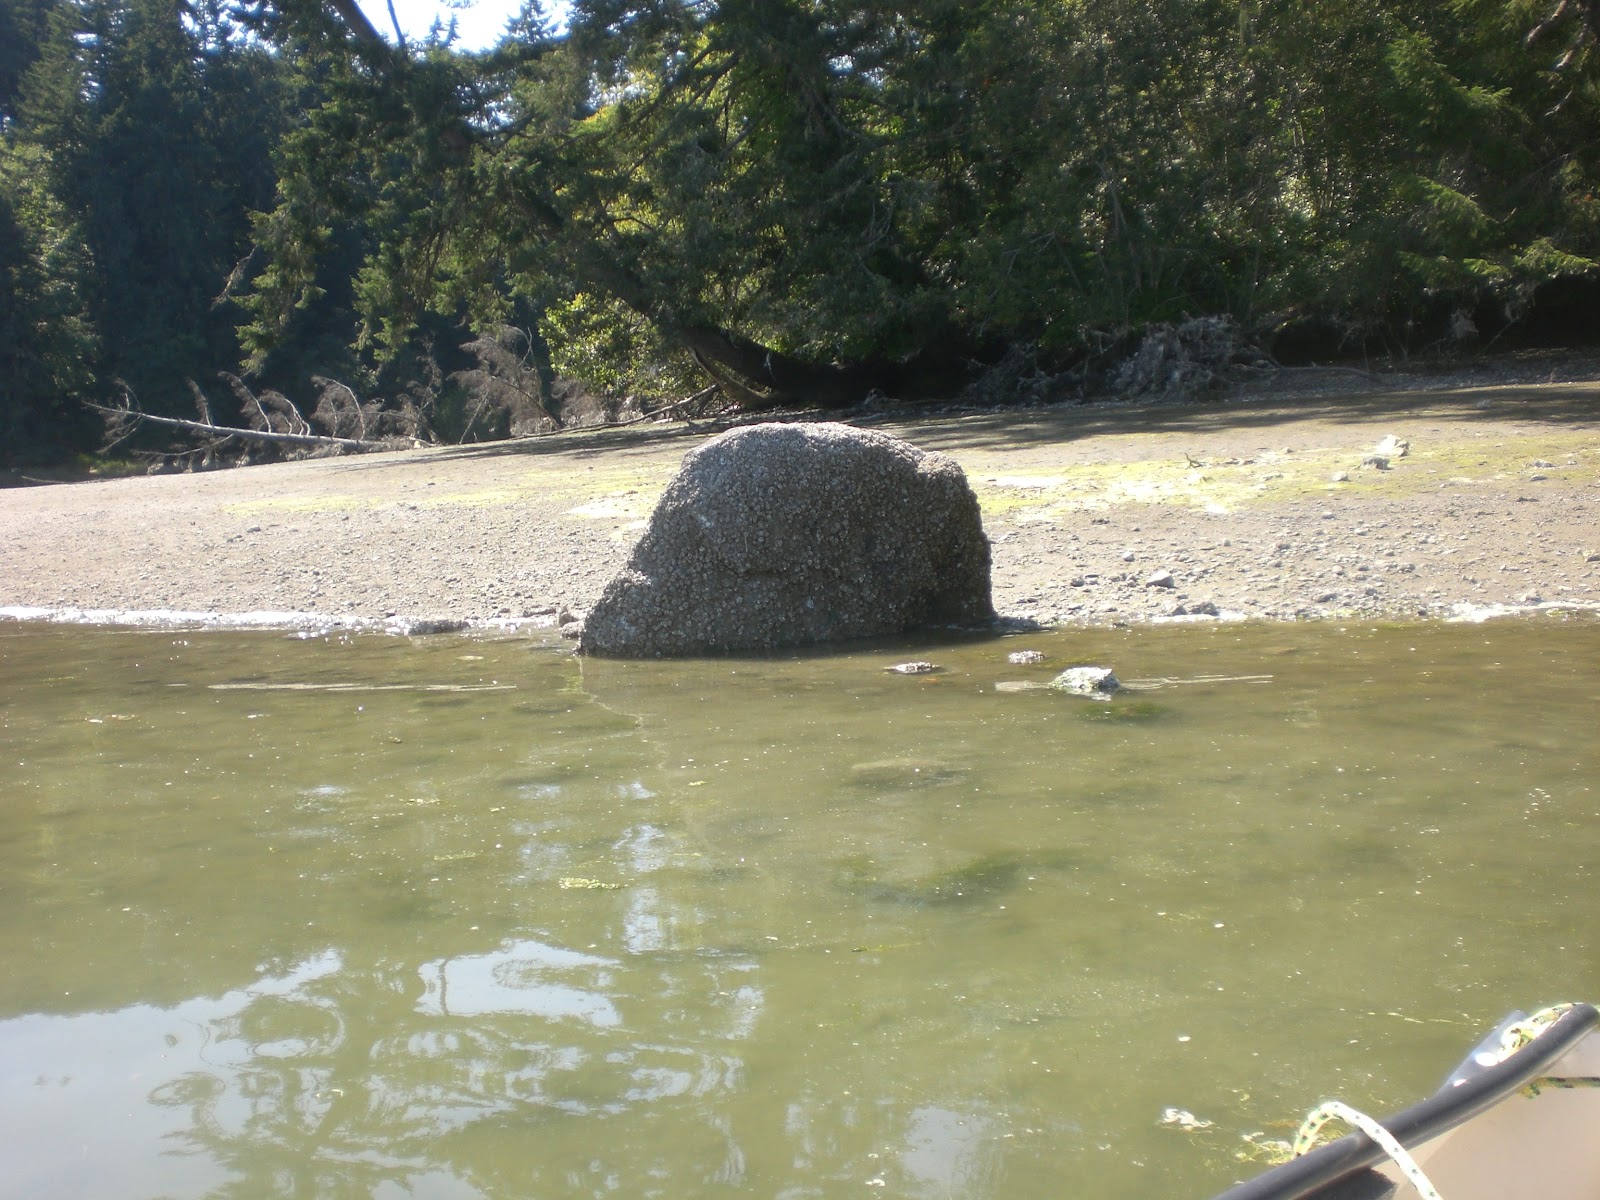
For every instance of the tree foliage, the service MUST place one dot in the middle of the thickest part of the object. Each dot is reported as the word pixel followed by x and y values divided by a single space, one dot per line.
pixel 798 200
pixel 811 198
pixel 147 132
pixel 47 342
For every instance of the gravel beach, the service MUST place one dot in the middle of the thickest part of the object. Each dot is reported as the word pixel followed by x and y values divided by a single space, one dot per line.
pixel 1431 502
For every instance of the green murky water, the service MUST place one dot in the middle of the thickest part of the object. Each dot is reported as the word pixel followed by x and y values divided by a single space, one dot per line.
pixel 469 918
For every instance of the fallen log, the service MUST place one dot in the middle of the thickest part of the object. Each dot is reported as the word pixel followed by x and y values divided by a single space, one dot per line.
pixel 358 445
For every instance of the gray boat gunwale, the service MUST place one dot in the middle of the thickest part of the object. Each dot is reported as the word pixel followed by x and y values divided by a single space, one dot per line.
pixel 1341 1169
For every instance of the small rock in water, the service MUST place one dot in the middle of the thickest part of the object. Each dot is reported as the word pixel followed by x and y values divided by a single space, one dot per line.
pixel 1023 657
pixel 913 668
pixel 1096 682
pixel 422 626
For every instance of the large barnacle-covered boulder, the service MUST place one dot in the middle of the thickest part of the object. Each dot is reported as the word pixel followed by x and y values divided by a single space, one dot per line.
pixel 784 535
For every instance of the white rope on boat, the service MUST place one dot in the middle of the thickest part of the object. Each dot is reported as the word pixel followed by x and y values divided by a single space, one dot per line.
pixel 1515 1037
pixel 1387 1142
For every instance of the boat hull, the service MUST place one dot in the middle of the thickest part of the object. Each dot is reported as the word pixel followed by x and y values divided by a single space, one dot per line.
pixel 1524 1126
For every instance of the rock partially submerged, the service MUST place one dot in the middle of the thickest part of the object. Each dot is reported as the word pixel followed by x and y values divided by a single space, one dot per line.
pixel 786 535
pixel 1095 682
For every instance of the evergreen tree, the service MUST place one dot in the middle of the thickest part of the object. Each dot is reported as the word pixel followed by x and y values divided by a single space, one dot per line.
pixel 801 199
pixel 47 344
pixel 23 26
pixel 159 127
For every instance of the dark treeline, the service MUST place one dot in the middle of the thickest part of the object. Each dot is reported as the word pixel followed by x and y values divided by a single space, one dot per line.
pixel 264 213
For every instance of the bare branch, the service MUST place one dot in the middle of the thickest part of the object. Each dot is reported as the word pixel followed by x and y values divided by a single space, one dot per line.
pixel 399 38
pixel 1544 26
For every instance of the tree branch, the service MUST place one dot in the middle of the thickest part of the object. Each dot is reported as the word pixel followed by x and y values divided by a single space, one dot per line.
pixel 394 19
pixel 356 20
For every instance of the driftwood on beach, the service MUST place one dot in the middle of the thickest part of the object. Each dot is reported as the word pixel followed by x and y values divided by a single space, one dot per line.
pixel 357 445
pixel 352 444
pixel 124 419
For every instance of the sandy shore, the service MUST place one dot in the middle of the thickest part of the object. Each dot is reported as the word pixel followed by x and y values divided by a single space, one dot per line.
pixel 1268 508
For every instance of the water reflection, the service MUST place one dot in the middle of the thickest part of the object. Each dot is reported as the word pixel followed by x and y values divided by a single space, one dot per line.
pixel 798 928
pixel 525 977
pixel 958 1151
pixel 310 1079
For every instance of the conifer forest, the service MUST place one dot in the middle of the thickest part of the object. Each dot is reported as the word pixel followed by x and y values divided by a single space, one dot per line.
pixel 281 215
